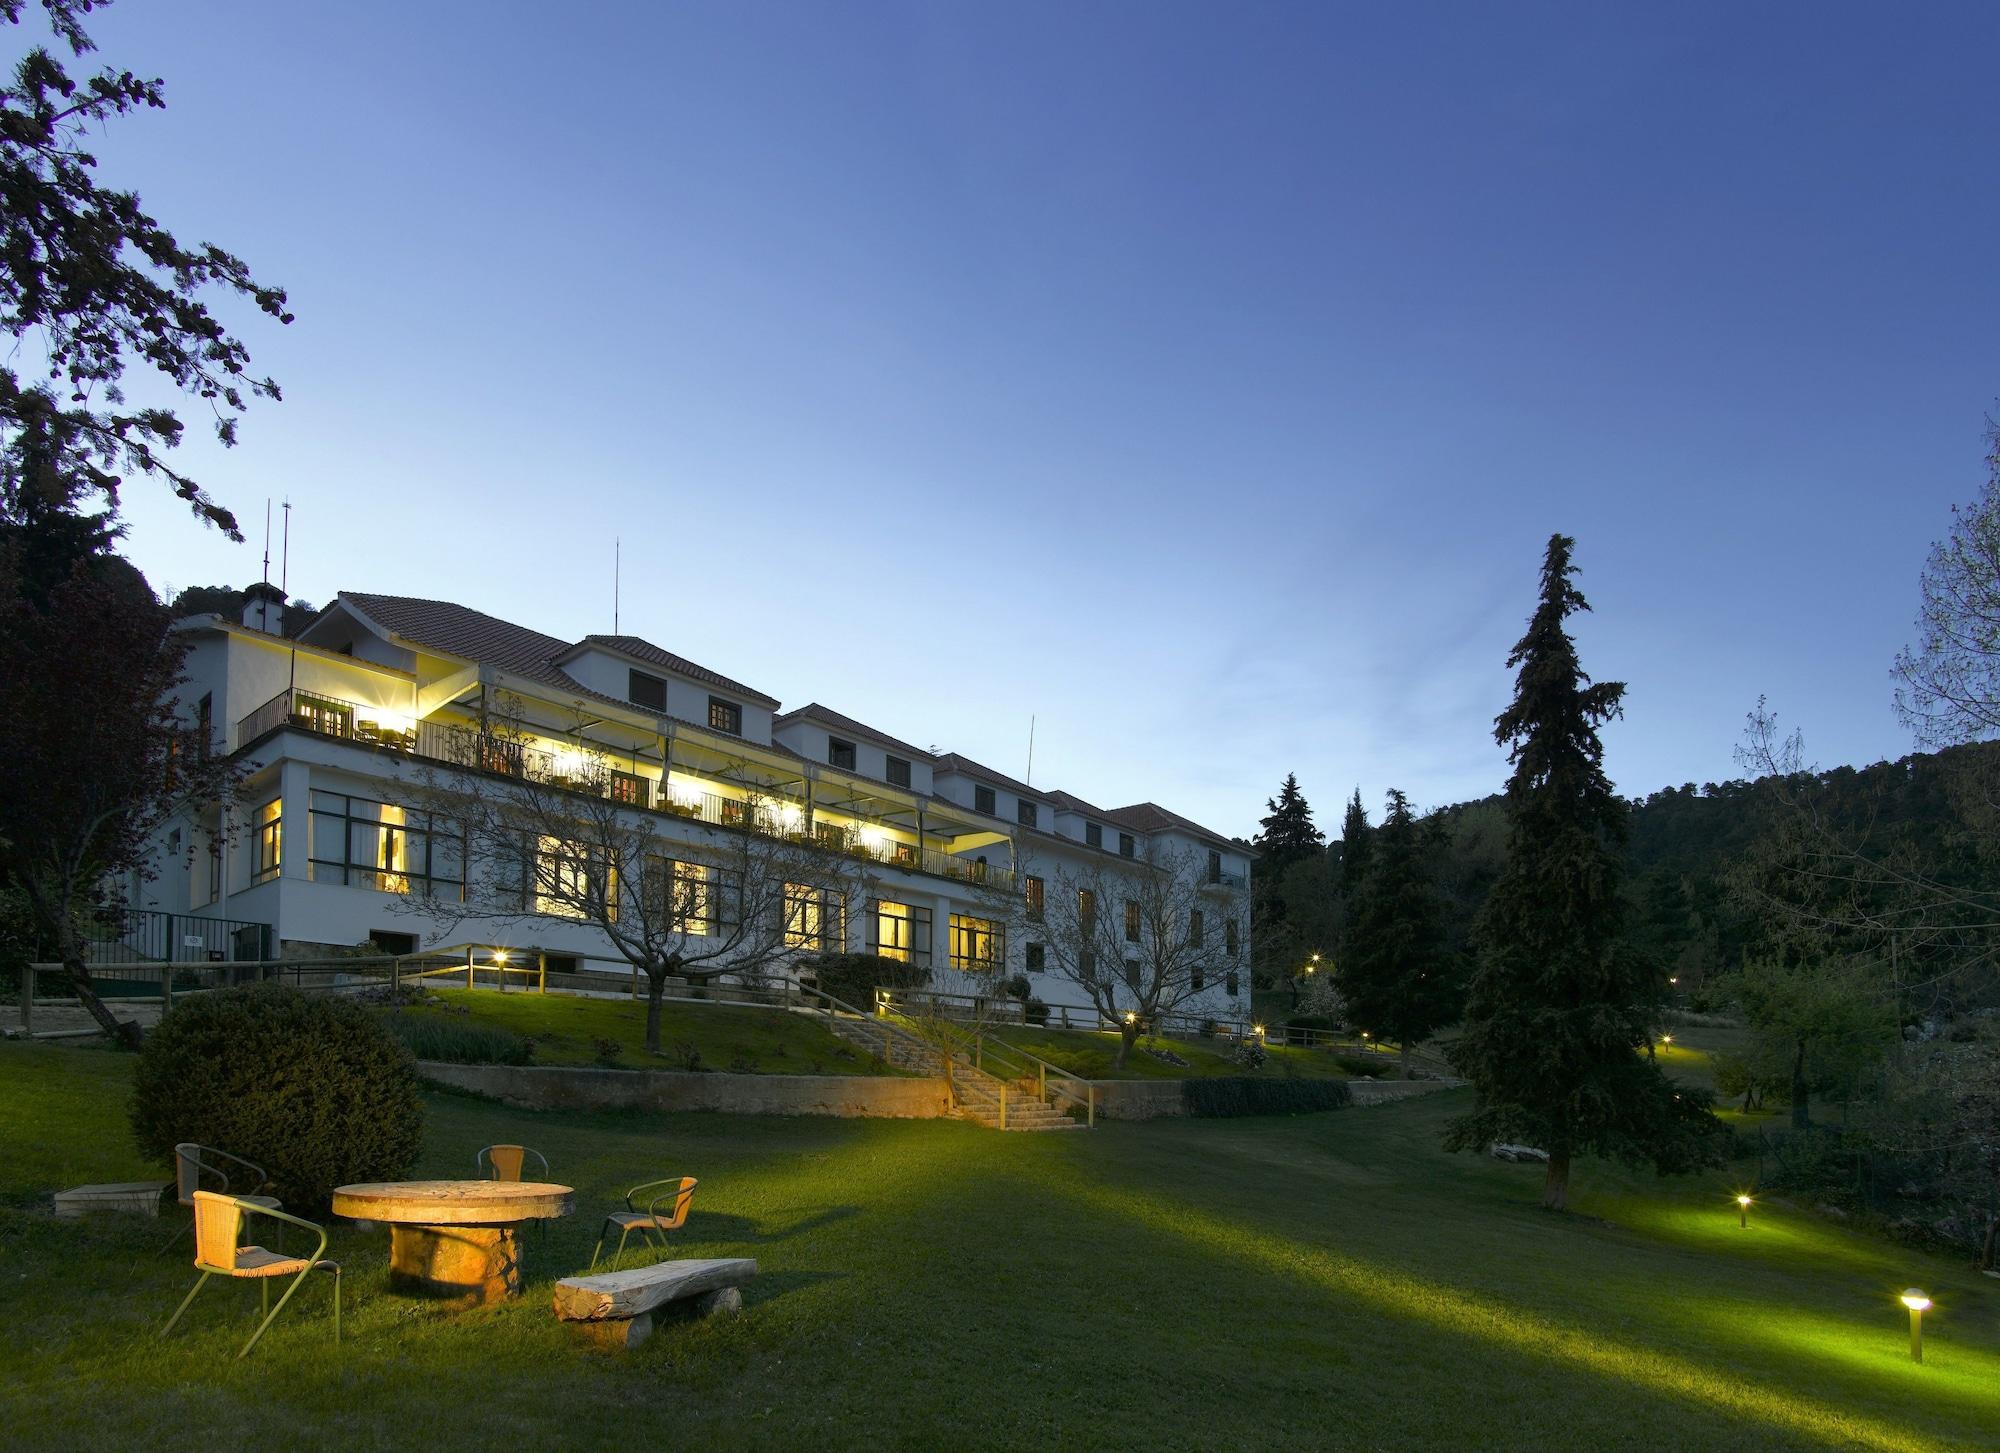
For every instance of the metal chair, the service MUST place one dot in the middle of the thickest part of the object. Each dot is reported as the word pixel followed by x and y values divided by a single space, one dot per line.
pixel 218 1224
pixel 651 1222
pixel 506 1162
pixel 202 1167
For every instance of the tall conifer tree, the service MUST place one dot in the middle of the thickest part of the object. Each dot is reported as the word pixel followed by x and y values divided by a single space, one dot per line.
pixel 1288 831
pixel 1560 1007
pixel 1397 972
pixel 1354 830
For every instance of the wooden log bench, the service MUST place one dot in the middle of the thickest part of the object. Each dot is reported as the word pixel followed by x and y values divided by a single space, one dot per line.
pixel 140 1198
pixel 617 1308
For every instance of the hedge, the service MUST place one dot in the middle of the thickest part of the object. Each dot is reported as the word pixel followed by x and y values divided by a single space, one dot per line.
pixel 1230 1095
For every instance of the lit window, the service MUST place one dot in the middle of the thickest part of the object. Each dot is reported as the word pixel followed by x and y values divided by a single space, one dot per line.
pixel 1131 921
pixel 977 944
pixel 686 896
pixel 367 844
pixel 902 931
pixel 815 918
pixel 629 788
pixel 571 880
pixel 725 716
pixel 1086 910
pixel 269 845
pixel 1036 897
pixel 1028 812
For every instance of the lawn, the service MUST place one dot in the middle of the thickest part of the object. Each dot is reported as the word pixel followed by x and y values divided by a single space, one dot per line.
pixel 1325 1281
pixel 569 1029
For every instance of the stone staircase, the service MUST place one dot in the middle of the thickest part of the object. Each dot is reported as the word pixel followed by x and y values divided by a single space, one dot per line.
pixel 978 1093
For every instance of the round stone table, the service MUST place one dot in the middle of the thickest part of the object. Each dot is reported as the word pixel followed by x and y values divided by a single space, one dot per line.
pixel 454 1240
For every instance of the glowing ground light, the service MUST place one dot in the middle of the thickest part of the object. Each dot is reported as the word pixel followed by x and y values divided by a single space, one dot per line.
pixel 1918 1303
pixel 500 956
pixel 1743 1210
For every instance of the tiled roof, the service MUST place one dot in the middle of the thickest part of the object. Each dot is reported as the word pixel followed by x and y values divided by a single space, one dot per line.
pixel 953 762
pixel 644 650
pixel 458 630
pixel 1150 817
pixel 1071 802
pixel 826 715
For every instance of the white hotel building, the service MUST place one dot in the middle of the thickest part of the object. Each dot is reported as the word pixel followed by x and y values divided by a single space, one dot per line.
pixel 326 850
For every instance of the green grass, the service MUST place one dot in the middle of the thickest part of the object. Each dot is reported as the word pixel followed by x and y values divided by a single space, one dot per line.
pixel 568 1029
pixel 1090 1053
pixel 1324 1281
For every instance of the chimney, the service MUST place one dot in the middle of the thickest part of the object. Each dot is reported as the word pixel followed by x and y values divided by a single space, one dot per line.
pixel 264 608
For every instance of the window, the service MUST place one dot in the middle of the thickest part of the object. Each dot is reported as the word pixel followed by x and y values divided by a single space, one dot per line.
pixel 1194 928
pixel 1086 966
pixel 1093 835
pixel 499 754
pixel 982 801
pixel 323 715
pixel 899 771
pixel 1086 910
pixel 1037 958
pixel 629 788
pixel 1196 979
pixel 1229 985
pixel 815 918
pixel 1132 974
pixel 388 941
pixel 1131 921
pixel 1230 937
pixel 174 843
pixel 977 944
pixel 204 726
pixel 1214 866
pixel 689 898
pixel 642 689
pixel 839 753
pixel 900 931
pixel 270 841
pixel 1127 846
pixel 366 844
pixel 725 716
pixel 1028 812
pixel 215 867
pixel 830 835
pixel 571 880
pixel 1037 897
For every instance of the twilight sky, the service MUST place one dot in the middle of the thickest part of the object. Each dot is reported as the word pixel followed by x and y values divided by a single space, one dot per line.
pixel 1203 380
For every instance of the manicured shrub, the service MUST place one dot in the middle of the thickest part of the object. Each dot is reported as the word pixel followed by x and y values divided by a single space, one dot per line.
pixel 310 1087
pixel 854 978
pixel 1229 1095
pixel 456 1041
pixel 1364 1067
pixel 1314 1021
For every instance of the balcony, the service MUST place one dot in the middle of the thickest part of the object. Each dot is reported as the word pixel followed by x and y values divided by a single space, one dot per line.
pixel 570 770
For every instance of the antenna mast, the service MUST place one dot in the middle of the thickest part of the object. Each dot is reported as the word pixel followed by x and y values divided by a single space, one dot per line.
pixel 263 605
pixel 1031 751
pixel 617 559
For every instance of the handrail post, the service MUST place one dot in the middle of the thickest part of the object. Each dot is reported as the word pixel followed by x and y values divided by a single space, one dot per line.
pixel 1003 1104
pixel 1041 1079
pixel 542 973
pixel 395 978
pixel 468 966
pixel 28 1001
pixel 1090 1121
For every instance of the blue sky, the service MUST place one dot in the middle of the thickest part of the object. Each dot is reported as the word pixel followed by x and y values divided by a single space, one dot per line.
pixel 1201 380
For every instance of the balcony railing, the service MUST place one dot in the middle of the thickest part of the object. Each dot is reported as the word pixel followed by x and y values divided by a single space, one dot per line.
pixel 467 747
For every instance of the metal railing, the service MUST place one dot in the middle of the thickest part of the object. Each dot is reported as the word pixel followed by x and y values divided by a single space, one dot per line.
pixel 157 936
pixel 996 1057
pixel 1005 1009
pixel 510 756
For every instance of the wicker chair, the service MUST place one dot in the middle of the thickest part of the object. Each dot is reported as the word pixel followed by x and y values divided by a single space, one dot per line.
pixel 218 1226
pixel 662 1213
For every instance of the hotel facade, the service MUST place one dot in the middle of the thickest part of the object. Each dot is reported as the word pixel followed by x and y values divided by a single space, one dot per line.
pixel 331 844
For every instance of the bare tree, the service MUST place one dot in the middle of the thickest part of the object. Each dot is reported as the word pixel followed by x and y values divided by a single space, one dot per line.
pixel 1948 683
pixel 568 839
pixel 1140 942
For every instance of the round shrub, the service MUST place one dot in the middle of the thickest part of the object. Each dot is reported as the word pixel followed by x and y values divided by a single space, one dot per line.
pixel 854 978
pixel 310 1087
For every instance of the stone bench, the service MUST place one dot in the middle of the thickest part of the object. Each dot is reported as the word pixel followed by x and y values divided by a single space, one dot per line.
pixel 140 1198
pixel 616 1309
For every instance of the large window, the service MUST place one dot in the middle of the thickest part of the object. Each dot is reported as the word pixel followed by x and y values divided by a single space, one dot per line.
pixel 691 898
pixel 900 931
pixel 1037 897
pixel 1093 835
pixel 1194 928
pixel 977 944
pixel 630 788
pixel 1131 921
pixel 899 771
pixel 982 800
pixel 1029 813
pixel 1214 866
pixel 1035 958
pixel 646 690
pixel 725 716
pixel 815 918
pixel 1231 937
pixel 840 753
pixel 572 880
pixel 270 841
pixel 1127 845
pixel 367 844
pixel 1086 911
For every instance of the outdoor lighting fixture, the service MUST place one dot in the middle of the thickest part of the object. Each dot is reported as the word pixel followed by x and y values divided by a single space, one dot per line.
pixel 1918 1303
pixel 1743 1211
pixel 499 956
pixel 1131 1017
pixel 1258 1030
pixel 1666 1039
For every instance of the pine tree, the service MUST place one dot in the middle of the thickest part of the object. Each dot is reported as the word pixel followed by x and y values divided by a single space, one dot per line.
pixel 1354 831
pixel 1289 833
pixel 1396 972
pixel 1559 1006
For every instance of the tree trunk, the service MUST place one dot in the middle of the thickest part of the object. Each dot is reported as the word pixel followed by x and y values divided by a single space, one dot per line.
pixel 1555 1187
pixel 1801 1110
pixel 656 989
pixel 1986 1247
pixel 123 1032
pixel 1128 1035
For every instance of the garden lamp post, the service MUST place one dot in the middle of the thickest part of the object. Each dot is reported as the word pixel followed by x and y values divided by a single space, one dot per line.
pixel 1743 1210
pixel 1918 1303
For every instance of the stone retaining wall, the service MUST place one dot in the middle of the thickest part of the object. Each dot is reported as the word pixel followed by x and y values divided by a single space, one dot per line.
pixel 538 1087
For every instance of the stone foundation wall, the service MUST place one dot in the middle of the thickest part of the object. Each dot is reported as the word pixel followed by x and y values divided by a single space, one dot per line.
pixel 564 1088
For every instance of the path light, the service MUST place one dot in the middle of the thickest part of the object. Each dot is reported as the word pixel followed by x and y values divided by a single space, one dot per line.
pixel 1131 1016
pixel 500 957
pixel 1258 1030
pixel 1918 1303
pixel 1743 1210
pixel 1666 1039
